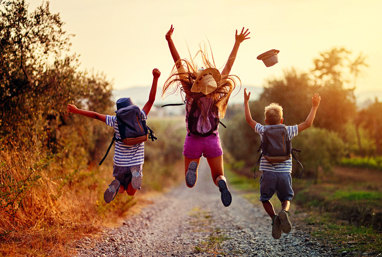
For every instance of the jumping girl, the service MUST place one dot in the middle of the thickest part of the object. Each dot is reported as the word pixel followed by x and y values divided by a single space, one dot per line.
pixel 207 92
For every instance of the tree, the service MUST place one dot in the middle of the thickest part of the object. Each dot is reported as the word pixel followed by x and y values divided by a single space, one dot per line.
pixel 332 75
pixel 293 93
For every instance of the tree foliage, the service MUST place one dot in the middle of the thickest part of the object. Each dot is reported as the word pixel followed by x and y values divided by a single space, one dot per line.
pixel 293 93
pixel 39 74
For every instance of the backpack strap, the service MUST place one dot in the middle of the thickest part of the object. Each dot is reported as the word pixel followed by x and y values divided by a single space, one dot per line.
pixel 176 104
pixel 294 156
pixel 151 134
pixel 108 149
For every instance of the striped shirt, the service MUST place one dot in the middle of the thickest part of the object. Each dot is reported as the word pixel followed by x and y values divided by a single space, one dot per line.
pixel 285 166
pixel 124 155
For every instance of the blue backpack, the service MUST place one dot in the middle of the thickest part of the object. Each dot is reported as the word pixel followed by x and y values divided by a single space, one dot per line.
pixel 132 127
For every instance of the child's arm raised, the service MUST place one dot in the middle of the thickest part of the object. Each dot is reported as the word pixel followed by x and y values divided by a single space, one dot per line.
pixel 153 91
pixel 231 59
pixel 94 115
pixel 174 53
pixel 316 99
pixel 248 116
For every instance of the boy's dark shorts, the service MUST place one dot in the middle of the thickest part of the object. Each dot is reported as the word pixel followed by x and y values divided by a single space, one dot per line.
pixel 124 173
pixel 276 182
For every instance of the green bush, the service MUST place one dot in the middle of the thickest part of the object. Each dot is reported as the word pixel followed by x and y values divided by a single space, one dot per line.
pixel 320 149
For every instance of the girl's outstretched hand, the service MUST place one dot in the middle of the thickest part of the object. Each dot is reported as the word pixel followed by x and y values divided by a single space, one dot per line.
pixel 246 95
pixel 71 108
pixel 242 36
pixel 316 99
pixel 169 33
pixel 156 73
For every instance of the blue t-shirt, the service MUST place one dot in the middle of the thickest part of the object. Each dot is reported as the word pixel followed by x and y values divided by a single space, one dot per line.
pixel 285 166
pixel 124 155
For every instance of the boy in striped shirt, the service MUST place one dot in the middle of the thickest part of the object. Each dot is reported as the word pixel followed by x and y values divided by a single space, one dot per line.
pixel 128 160
pixel 276 177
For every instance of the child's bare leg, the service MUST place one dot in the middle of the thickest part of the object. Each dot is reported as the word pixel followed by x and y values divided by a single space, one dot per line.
pixel 121 189
pixel 217 170
pixel 192 176
pixel 285 205
pixel 217 173
pixel 268 207
pixel 130 190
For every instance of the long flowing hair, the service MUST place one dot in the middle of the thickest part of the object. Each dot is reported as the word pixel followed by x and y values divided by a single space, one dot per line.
pixel 185 72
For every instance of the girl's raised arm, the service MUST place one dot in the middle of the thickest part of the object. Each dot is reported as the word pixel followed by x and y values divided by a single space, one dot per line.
pixel 231 59
pixel 175 54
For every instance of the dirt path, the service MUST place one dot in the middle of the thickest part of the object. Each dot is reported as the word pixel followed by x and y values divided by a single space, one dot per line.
pixel 193 222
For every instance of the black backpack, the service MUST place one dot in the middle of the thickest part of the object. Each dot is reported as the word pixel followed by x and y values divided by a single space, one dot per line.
pixel 132 127
pixel 276 146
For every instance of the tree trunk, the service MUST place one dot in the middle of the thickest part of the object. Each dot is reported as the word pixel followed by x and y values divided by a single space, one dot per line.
pixel 359 140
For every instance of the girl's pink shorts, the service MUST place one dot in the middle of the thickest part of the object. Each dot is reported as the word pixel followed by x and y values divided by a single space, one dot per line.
pixel 196 146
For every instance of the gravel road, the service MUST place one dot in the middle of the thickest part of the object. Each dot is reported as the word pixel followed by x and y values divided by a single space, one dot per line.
pixel 194 222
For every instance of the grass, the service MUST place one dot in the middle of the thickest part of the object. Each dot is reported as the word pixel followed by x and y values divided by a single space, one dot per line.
pixel 363 162
pixel 357 195
pixel 357 240
pixel 212 245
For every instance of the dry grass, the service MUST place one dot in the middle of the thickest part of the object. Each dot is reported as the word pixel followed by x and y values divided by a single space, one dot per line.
pixel 53 205
pixel 49 200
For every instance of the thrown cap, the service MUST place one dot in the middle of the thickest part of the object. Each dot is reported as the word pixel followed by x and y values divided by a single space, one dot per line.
pixel 206 81
pixel 123 102
pixel 269 57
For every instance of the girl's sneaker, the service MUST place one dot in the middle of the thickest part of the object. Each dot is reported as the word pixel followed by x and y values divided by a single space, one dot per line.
pixel 191 174
pixel 226 196
pixel 111 191
pixel 285 223
pixel 136 180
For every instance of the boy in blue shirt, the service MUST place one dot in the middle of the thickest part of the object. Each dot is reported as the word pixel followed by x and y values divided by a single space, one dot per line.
pixel 128 160
pixel 276 177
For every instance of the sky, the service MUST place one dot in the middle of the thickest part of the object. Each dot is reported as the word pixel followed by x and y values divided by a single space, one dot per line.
pixel 125 39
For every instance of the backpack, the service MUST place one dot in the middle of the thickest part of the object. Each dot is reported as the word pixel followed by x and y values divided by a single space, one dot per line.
pixel 203 117
pixel 132 127
pixel 276 146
